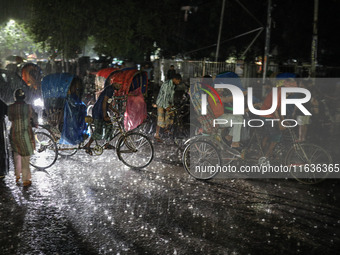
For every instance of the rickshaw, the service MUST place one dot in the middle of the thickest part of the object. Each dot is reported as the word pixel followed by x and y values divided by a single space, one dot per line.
pixel 131 95
pixel 67 123
pixel 208 154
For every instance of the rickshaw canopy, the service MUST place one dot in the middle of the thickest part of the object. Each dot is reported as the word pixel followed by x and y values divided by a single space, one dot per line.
pixel 56 85
pixel 101 80
pixel 106 72
pixel 131 79
pixel 231 77
pixel 66 104
pixel 282 76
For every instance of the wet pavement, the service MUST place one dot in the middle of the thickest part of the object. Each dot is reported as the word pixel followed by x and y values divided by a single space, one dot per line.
pixel 95 205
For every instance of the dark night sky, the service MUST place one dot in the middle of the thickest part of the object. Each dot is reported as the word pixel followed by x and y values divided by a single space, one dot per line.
pixel 15 9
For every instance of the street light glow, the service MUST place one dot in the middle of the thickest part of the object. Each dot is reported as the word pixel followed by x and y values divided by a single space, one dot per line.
pixel 11 22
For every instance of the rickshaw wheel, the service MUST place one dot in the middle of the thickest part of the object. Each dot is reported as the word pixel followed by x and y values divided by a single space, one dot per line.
pixel 45 153
pixel 65 150
pixel 135 150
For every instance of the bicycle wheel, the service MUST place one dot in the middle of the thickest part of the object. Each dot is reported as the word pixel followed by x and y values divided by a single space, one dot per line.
pixel 66 150
pixel 182 133
pixel 135 150
pixel 278 156
pixel 306 161
pixel 148 127
pixel 198 156
pixel 45 153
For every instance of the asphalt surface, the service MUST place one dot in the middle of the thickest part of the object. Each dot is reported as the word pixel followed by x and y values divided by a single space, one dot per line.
pixel 95 205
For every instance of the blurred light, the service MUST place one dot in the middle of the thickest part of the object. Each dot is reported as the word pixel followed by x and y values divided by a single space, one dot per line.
pixel 39 102
pixel 11 22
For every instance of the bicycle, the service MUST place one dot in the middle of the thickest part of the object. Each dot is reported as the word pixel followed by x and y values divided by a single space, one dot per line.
pixel 206 151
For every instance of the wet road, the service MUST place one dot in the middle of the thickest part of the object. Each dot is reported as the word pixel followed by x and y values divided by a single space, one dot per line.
pixel 96 205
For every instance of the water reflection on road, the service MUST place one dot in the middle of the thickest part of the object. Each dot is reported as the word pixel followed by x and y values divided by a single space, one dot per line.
pixel 96 205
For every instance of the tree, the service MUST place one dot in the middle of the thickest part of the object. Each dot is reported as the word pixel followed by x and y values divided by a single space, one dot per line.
pixel 61 26
pixel 14 40
pixel 120 28
pixel 130 28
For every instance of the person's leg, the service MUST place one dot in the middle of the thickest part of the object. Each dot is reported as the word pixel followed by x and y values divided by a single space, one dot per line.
pixel 305 128
pixel 108 131
pixel 299 120
pixel 275 137
pixel 271 138
pixel 157 131
pixel 160 121
pixel 26 172
pixel 264 142
pixel 17 165
pixel 89 143
pixel 235 131
pixel 301 133
pixel 270 149
pixel 169 120
pixel 96 135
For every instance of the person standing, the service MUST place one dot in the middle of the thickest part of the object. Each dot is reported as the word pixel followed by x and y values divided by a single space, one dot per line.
pixel 22 117
pixel 164 102
pixel 149 70
pixel 171 72
pixel 3 141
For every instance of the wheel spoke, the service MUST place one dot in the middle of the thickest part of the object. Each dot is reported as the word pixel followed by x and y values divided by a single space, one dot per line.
pixel 199 155
pixel 135 150
pixel 45 153
pixel 303 158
